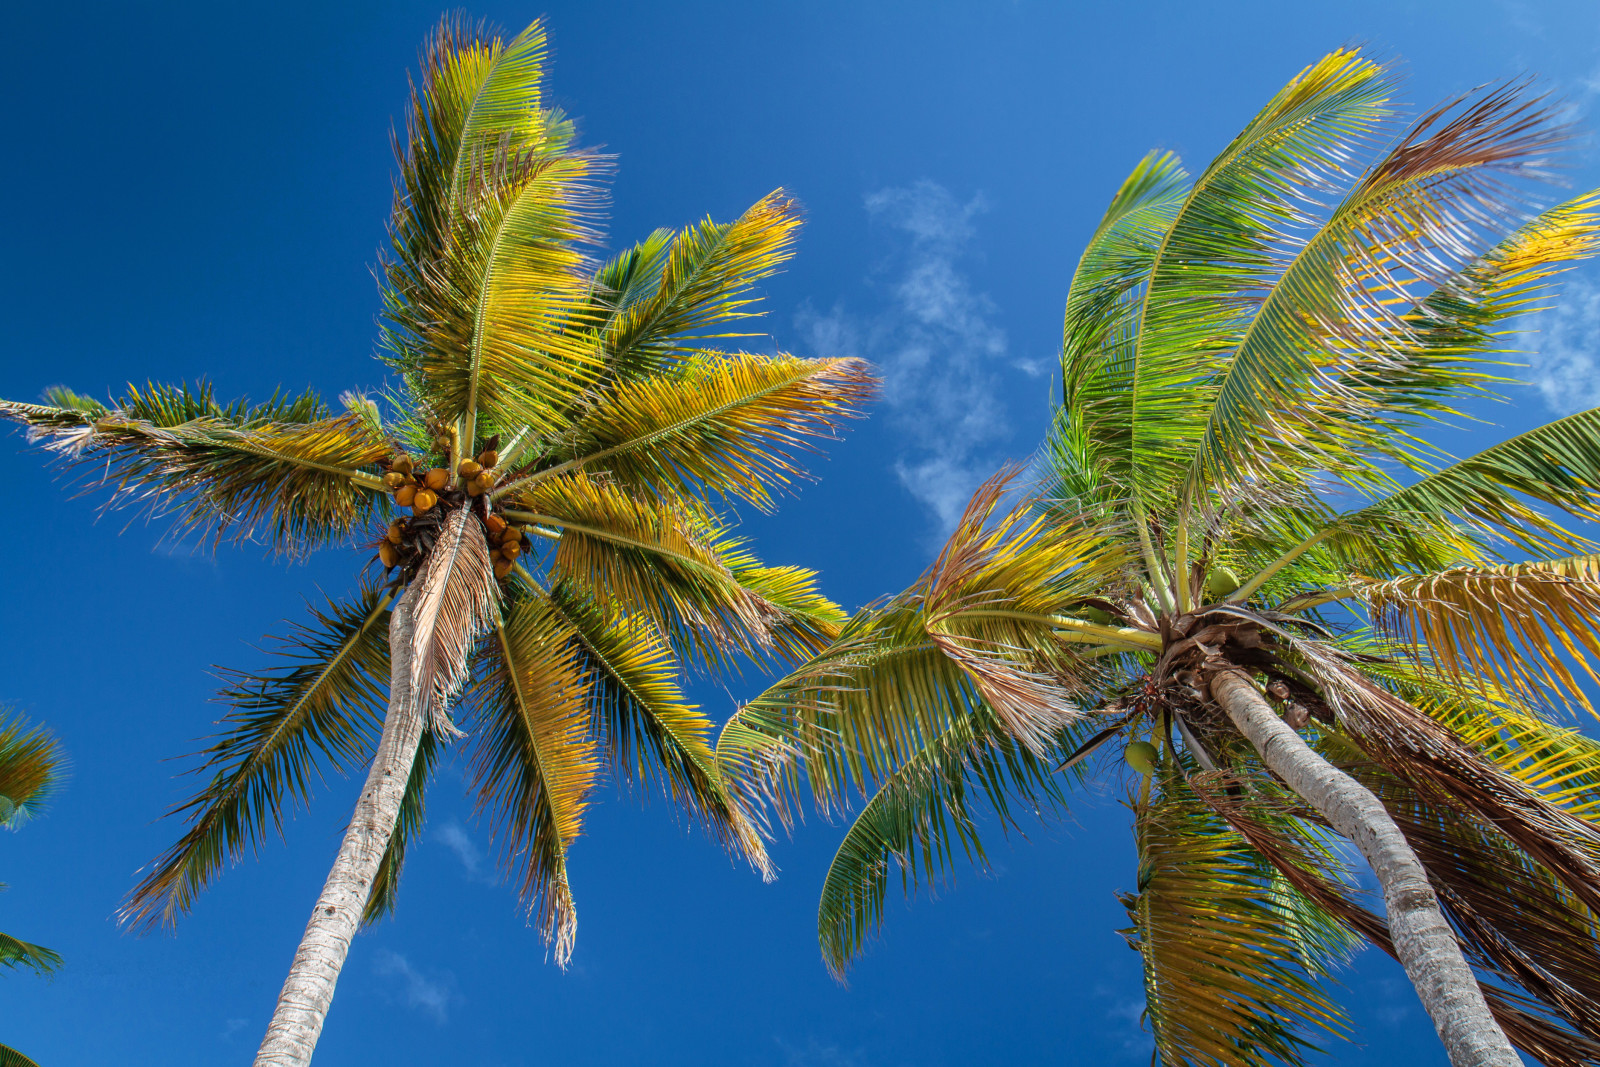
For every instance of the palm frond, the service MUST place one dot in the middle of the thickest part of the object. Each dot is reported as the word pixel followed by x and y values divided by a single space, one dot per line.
pixel 534 763
pixel 1298 392
pixel 32 766
pixel 386 883
pixel 727 425
pixel 918 817
pixel 1514 624
pixel 702 285
pixel 1221 983
pixel 10 1057
pixel 648 731
pixel 285 468
pixel 456 602
pixel 325 703
pixel 1226 245
pixel 15 953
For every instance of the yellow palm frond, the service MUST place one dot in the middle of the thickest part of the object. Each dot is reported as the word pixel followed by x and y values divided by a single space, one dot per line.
pixel 535 758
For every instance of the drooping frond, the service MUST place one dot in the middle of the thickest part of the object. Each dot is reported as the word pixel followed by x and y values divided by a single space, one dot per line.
pixel 486 269
pixel 456 602
pixel 325 703
pixel 1331 342
pixel 918 818
pixel 534 761
pixel 15 953
pixel 1224 248
pixel 658 557
pixel 702 284
pixel 725 425
pixel 1513 624
pixel 31 768
pixel 10 1057
pixel 386 883
pixel 286 468
pixel 649 733
pixel 1222 985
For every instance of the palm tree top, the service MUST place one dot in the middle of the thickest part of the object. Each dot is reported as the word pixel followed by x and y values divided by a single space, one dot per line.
pixel 1239 471
pixel 546 476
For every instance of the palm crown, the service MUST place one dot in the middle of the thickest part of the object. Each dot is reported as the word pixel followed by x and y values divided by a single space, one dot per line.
pixel 562 435
pixel 1248 356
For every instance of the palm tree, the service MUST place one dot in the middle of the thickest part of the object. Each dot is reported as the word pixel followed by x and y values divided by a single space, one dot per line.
pixel 1249 359
pixel 562 437
pixel 31 769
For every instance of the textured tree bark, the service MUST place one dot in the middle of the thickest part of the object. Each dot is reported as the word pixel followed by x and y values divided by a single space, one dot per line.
pixel 307 992
pixel 1422 938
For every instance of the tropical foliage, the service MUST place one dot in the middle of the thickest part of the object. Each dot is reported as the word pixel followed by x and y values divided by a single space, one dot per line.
pixel 543 486
pixel 1239 485
pixel 31 769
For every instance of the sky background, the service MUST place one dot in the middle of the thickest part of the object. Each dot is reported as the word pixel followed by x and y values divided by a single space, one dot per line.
pixel 200 191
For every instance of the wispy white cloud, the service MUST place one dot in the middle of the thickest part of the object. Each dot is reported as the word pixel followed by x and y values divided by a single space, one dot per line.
pixel 1131 1033
pixel 1563 343
pixel 936 345
pixel 421 993
pixel 817 1054
pixel 452 836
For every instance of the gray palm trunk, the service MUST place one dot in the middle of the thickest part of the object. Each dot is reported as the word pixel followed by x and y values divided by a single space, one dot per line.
pixel 1423 940
pixel 308 991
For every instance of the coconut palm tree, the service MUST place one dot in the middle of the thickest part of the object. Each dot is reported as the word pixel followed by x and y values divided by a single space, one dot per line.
pixel 1250 359
pixel 31 769
pixel 562 437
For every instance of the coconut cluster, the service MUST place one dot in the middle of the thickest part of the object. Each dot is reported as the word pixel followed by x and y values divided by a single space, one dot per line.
pixel 432 493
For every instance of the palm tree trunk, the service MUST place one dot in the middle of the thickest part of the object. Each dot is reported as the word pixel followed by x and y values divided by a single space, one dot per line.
pixel 1423 940
pixel 307 992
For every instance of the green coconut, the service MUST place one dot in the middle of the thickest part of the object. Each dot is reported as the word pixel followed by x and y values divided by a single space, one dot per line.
pixel 1141 756
pixel 1220 582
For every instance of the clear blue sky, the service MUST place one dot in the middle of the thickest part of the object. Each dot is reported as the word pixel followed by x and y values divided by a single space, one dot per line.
pixel 200 190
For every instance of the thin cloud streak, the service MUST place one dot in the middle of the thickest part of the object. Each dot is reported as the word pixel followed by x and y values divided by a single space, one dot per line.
pixel 937 346
pixel 1563 344
pixel 421 993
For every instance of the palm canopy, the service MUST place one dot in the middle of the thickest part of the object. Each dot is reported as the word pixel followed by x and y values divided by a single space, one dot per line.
pixel 564 432
pixel 1250 359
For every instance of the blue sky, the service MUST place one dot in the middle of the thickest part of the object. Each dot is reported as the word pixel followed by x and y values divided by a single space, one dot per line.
pixel 200 190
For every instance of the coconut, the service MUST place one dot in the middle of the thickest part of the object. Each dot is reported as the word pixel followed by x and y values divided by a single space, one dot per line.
pixel 484 480
pixel 436 479
pixel 397 532
pixel 512 535
pixel 488 458
pixel 1099 616
pixel 502 567
pixel 394 479
pixel 389 554
pixel 474 489
pixel 496 525
pixel 511 549
pixel 405 495
pixel 1141 756
pixel 425 499
pixel 468 468
pixel 1220 582
pixel 403 465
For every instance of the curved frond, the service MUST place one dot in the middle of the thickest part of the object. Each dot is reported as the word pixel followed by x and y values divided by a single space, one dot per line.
pixel 32 766
pixel 325 703
pixel 286 468
pixel 534 761
pixel 15 953
pixel 1222 985
pixel 727 425
pixel 10 1057
pixel 456 602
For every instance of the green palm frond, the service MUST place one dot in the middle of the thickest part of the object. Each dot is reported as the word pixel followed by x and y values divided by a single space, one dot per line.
pixel 322 705
pixel 1222 983
pixel 919 816
pixel 535 760
pixel 486 270
pixel 286 468
pixel 648 731
pixel 386 885
pixel 32 766
pixel 1297 392
pixel 15 953
pixel 727 425
pixel 703 279
pixel 10 1057
pixel 1225 244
